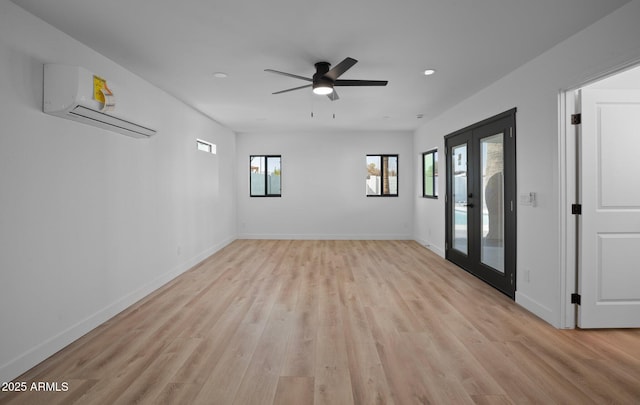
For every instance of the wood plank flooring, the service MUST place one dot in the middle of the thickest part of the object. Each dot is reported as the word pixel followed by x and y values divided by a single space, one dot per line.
pixel 335 322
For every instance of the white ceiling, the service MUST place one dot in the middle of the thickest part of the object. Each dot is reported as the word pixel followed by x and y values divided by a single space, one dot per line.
pixel 178 45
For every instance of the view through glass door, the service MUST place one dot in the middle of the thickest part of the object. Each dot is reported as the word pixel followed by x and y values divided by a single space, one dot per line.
pixel 480 200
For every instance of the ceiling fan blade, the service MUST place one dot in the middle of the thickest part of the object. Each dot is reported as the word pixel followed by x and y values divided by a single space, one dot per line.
pixel 360 83
pixel 295 88
pixel 289 74
pixel 340 68
pixel 333 96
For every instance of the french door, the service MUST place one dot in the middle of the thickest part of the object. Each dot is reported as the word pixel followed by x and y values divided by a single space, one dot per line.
pixel 480 200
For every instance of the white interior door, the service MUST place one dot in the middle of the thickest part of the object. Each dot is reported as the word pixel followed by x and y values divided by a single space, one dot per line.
pixel 609 260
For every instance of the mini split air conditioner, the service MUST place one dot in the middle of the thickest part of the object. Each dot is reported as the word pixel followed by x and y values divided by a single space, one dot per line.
pixel 69 92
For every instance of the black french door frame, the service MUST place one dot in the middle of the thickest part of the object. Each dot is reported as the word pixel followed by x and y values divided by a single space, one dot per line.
pixel 470 139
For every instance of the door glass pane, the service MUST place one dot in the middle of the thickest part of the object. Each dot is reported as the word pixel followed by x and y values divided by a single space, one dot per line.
pixel 460 209
pixel 492 196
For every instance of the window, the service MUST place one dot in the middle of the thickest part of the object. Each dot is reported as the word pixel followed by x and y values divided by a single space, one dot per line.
pixel 264 176
pixel 206 146
pixel 430 174
pixel 382 175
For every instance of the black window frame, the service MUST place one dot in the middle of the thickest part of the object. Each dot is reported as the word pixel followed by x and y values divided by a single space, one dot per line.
pixel 381 156
pixel 433 176
pixel 266 176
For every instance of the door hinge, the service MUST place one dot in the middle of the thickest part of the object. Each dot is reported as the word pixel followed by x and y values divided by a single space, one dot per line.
pixel 511 278
pixel 576 209
pixel 575 298
pixel 576 119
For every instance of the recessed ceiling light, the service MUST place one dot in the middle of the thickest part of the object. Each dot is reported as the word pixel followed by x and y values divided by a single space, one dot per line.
pixel 429 72
pixel 220 75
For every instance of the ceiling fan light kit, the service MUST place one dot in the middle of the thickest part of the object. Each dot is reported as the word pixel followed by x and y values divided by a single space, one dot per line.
pixel 323 87
pixel 325 79
pixel 322 90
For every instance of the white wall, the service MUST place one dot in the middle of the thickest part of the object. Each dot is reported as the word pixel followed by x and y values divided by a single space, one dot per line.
pixel 626 80
pixel 534 89
pixel 323 187
pixel 91 220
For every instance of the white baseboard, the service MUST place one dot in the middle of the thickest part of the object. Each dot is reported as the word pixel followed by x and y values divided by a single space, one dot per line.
pixel 436 249
pixel 324 236
pixel 37 354
pixel 542 312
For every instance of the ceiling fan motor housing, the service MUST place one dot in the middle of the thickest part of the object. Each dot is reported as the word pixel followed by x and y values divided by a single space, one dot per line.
pixel 321 69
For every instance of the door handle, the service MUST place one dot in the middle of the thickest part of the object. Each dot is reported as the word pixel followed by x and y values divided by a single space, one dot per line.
pixel 469 205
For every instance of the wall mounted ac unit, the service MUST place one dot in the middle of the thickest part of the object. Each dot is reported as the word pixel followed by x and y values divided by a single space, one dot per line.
pixel 69 92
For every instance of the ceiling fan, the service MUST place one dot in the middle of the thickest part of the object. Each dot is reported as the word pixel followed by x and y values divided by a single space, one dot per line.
pixel 324 80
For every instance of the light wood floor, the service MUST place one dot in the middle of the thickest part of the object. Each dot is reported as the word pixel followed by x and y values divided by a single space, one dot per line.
pixel 336 322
